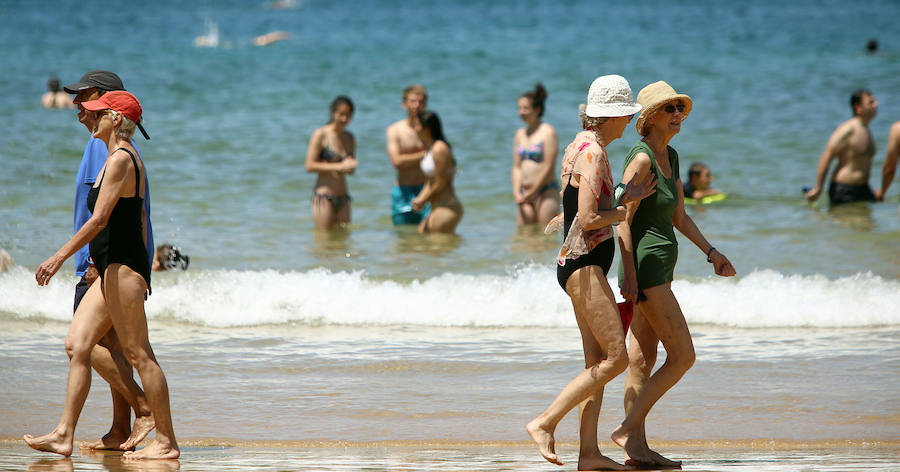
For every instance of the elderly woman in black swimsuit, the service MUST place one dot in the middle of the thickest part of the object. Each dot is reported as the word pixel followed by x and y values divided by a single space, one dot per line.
pixel 330 154
pixel 589 210
pixel 117 235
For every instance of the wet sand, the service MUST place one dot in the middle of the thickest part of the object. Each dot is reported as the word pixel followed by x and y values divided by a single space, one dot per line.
pixel 217 455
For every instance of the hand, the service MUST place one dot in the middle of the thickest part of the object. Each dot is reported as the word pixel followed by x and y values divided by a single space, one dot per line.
pixel 813 194
pixel 629 289
pixel 48 269
pixel 417 204
pixel 722 265
pixel 349 165
pixel 621 213
pixel 879 196
pixel 638 189
pixel 91 274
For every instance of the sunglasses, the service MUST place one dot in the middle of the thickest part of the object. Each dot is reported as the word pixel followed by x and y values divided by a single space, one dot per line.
pixel 672 108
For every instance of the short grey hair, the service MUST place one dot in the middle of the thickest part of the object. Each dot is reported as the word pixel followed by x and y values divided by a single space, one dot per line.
pixel 589 122
pixel 126 127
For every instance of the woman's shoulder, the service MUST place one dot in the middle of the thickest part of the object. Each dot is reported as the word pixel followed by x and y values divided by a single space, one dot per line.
pixel 548 129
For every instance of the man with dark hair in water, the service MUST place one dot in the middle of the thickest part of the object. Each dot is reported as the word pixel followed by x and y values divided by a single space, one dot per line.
pixel 853 147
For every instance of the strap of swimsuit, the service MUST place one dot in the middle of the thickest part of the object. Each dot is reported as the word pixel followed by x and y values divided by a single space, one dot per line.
pixel 137 173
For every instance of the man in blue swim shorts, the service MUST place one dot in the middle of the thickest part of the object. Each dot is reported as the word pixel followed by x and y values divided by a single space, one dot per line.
pixel 406 151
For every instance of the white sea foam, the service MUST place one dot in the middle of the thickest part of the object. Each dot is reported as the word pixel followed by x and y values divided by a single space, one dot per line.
pixel 528 296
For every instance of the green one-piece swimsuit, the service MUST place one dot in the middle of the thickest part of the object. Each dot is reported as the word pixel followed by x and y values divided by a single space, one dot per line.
pixel 654 246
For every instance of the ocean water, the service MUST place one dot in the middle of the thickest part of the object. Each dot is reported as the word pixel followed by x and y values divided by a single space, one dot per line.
pixel 279 332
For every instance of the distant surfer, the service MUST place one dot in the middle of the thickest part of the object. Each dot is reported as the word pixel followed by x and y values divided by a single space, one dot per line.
pixel 851 144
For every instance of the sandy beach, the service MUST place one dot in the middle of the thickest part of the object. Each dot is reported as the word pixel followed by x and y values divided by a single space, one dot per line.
pixel 216 455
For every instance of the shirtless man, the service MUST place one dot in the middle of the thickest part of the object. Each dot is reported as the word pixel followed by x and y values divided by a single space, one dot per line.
pixel 55 98
pixel 406 151
pixel 853 146
pixel 890 162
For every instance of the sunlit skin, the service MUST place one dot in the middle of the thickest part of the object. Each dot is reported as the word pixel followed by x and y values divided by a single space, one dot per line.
pixel 404 147
pixel 603 337
pixel 659 317
pixel 117 302
pixel 529 177
pixel 331 178
pixel 446 209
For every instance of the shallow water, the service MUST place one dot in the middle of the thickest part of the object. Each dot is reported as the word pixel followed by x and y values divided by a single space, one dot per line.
pixel 281 333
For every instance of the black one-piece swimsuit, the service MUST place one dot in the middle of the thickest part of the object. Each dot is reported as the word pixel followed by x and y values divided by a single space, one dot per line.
pixel 602 255
pixel 122 241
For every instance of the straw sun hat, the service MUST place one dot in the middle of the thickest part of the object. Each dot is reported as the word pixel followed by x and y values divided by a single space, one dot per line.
pixel 610 96
pixel 656 95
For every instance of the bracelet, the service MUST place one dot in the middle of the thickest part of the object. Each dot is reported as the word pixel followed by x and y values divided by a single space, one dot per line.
pixel 709 253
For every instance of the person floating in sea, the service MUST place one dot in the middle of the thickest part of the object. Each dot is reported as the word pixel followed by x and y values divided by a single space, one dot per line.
pixel 269 38
pixel 589 210
pixel 699 181
pixel 649 251
pixel 54 97
pixel 534 186
pixel 116 232
pixel 890 162
pixel 439 168
pixel 851 144
pixel 406 150
pixel 169 257
pixel 331 155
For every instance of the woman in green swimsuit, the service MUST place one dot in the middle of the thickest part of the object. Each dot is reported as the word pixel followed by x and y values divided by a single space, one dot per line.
pixel 649 251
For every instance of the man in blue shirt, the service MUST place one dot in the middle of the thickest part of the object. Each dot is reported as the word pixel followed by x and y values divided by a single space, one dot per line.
pixel 107 358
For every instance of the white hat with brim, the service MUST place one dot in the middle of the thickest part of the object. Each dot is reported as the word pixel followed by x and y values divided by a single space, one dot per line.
pixel 610 96
pixel 656 95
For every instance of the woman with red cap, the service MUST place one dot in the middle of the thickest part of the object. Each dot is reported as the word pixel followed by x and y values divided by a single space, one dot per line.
pixel 117 235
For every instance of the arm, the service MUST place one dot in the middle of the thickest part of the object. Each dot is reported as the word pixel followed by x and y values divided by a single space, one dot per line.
pixel 313 164
pixel 638 169
pixel 684 223
pixel 890 161
pixel 113 185
pixel 836 143
pixel 398 159
pixel 589 216
pixel 517 170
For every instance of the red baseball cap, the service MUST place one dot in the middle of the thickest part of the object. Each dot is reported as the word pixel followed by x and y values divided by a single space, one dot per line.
pixel 117 100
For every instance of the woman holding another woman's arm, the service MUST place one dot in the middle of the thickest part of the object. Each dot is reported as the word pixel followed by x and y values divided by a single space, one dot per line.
pixel 584 260
pixel 649 251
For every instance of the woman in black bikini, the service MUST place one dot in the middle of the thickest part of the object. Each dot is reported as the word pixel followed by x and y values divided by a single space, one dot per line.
pixel 116 233
pixel 589 210
pixel 330 154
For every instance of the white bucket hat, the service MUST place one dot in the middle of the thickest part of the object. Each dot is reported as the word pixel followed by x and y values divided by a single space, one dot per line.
pixel 610 96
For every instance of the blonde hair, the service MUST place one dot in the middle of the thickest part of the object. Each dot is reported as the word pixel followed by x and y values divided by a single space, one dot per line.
pixel 589 122
pixel 416 89
pixel 126 127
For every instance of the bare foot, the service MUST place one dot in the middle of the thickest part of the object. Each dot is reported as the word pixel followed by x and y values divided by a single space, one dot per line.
pixel 53 442
pixel 109 442
pixel 637 454
pixel 600 462
pixel 142 427
pixel 544 440
pixel 659 462
pixel 156 450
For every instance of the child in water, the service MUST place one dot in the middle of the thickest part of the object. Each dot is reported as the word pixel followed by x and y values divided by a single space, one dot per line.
pixel 698 182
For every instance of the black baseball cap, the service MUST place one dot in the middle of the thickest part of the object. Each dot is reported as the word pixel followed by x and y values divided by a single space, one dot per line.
pixel 103 80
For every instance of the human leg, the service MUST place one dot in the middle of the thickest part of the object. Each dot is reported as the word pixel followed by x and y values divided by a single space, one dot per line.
pixel 442 219
pixel 599 322
pixel 124 291
pixel 90 322
pixel 663 315
pixel 548 204
pixel 108 360
pixel 323 212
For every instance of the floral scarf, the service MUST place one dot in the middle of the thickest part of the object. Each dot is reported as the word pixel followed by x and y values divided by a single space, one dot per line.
pixel 584 157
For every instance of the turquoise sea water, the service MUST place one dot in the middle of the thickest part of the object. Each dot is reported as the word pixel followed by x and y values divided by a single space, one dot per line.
pixel 268 306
